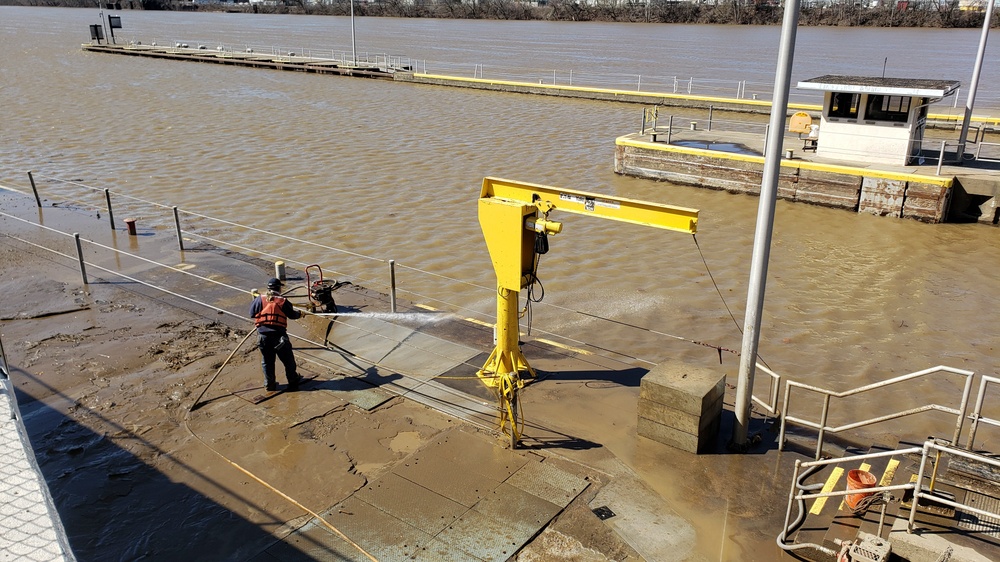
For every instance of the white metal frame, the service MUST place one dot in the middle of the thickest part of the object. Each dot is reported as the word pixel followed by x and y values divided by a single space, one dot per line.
pixel 823 428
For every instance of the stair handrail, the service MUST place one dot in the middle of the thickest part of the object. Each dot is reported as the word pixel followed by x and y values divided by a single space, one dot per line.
pixel 977 411
pixel 823 428
pixel 801 492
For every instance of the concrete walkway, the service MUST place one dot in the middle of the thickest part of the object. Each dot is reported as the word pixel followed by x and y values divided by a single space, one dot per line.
pixel 30 528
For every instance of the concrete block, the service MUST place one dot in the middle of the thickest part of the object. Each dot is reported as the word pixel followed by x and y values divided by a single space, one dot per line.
pixel 677 419
pixel 683 387
pixel 681 406
pixel 675 438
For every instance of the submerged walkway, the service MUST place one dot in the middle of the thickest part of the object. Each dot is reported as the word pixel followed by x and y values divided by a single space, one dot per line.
pixel 401 69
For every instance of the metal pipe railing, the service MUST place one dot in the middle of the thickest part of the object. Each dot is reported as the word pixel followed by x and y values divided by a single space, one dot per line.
pixel 801 492
pixel 823 426
pixel 775 386
pixel 977 411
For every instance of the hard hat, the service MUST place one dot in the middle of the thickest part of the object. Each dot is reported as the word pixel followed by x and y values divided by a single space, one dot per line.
pixel 274 284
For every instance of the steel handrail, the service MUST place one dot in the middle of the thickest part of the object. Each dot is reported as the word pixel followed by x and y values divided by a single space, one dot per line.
pixel 977 411
pixel 823 427
pixel 772 406
pixel 800 492
pixel 918 489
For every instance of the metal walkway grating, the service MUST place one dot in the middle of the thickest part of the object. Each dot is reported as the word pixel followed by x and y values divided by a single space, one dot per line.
pixel 988 526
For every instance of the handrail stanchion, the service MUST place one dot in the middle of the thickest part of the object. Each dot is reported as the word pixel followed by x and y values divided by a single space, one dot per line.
pixel 34 190
pixel 111 214
pixel 177 226
pixel 392 285
pixel 5 372
pixel 961 411
pixel 917 486
pixel 670 127
pixel 784 414
pixel 822 425
pixel 941 157
pixel 710 108
pixel 79 252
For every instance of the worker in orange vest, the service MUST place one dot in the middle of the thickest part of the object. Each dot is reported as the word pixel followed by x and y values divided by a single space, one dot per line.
pixel 271 312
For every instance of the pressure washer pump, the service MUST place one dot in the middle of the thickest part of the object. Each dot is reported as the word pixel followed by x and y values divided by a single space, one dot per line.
pixel 320 291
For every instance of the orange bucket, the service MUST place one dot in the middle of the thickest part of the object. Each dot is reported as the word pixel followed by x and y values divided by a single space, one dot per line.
pixel 858 480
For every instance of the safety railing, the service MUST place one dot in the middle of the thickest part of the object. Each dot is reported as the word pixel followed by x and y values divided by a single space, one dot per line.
pixel 823 427
pixel 365 270
pixel 774 386
pixel 977 416
pixel 801 492
pixel 992 152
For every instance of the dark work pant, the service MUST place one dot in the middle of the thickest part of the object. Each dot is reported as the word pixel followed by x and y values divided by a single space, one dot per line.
pixel 279 345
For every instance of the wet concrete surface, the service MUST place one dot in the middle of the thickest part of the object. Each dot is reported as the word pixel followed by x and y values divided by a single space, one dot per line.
pixel 107 375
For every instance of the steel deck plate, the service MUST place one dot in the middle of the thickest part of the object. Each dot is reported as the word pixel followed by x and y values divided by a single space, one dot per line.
pixel 517 509
pixel 988 526
pixel 549 483
pixel 311 542
pixel 443 476
pixel 383 536
pixel 411 503
pixel 438 551
pixel 487 538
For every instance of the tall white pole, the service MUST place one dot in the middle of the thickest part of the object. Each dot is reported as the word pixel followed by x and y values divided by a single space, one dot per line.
pixel 974 84
pixel 765 224
pixel 354 48
pixel 104 27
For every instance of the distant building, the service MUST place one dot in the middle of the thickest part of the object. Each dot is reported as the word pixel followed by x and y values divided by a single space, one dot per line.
pixel 873 119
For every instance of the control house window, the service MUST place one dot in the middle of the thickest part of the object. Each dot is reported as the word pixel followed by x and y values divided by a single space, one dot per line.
pixel 895 109
pixel 843 104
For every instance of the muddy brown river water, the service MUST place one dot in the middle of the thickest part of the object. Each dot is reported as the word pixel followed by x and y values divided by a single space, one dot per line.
pixel 392 171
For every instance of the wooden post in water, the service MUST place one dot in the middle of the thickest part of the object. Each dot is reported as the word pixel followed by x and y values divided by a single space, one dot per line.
pixel 177 226
pixel 111 214
pixel 79 253
pixel 34 190
pixel 392 285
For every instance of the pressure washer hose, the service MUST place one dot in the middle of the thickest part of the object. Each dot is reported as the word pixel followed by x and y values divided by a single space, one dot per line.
pixel 259 480
pixel 801 517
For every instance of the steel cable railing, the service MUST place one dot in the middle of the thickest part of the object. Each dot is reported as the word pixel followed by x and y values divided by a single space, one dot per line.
pixel 373 283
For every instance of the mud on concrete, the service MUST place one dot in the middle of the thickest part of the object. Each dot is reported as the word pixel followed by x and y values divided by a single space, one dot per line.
pixel 105 378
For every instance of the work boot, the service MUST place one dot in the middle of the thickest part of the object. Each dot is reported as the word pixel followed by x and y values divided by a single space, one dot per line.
pixel 293 384
pixel 271 387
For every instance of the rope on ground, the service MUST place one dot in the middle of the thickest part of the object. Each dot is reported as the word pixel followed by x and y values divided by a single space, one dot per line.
pixel 253 476
pixel 510 406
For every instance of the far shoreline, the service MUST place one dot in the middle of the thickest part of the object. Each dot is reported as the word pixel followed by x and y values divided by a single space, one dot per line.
pixel 820 13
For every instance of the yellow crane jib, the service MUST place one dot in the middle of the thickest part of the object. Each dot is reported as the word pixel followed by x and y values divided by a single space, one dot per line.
pixel 512 216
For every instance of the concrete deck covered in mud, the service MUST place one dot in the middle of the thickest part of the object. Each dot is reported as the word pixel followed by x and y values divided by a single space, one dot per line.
pixel 461 495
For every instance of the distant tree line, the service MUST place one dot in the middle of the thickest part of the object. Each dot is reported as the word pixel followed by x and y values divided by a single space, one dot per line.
pixel 851 13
